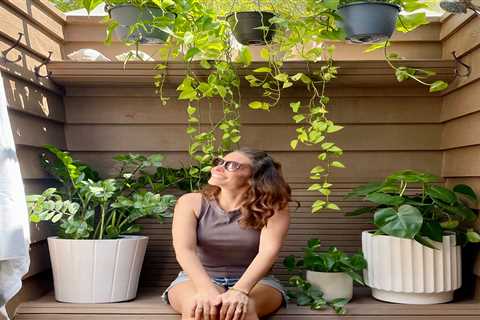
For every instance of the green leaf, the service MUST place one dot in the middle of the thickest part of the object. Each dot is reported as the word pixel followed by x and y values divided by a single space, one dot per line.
pixel 465 190
pixel 259 105
pixel 293 144
pixel 295 106
pixel 334 128
pixel 473 236
pixel 385 199
pixel 191 53
pixel 407 23
pixel 360 211
pixel 337 164
pixel 244 56
pixel 283 77
pixel 441 193
pixel 298 118
pixel 191 110
pixel 263 69
pixel 289 263
pixel 450 224
pixel 89 5
pixel 438 85
pixel 265 54
pixel 331 4
pixel 404 223
pixel 333 206
pixel 376 46
pixel 433 230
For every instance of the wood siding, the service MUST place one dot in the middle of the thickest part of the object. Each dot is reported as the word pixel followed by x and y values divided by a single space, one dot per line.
pixel 461 104
pixel 105 120
pixel 36 112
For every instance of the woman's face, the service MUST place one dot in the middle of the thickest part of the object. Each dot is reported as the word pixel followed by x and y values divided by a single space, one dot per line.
pixel 221 177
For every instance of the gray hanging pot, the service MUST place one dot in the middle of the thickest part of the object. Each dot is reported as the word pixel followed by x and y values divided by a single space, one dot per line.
pixel 244 26
pixel 367 22
pixel 127 15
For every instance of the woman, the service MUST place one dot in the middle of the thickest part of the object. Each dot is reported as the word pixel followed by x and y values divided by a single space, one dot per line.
pixel 227 238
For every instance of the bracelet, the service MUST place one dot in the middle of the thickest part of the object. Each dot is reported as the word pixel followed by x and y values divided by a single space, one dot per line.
pixel 239 290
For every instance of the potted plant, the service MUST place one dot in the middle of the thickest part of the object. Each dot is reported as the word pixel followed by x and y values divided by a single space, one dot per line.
pixel 414 255
pixel 329 276
pixel 140 21
pixel 252 27
pixel 96 258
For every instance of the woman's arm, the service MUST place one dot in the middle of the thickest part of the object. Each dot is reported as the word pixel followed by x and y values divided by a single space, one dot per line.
pixel 184 232
pixel 271 239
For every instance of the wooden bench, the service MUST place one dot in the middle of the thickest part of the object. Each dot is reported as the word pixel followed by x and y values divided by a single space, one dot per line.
pixel 148 305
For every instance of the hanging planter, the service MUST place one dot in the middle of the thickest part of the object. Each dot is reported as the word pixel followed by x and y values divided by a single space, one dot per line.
pixel 128 15
pixel 252 27
pixel 368 22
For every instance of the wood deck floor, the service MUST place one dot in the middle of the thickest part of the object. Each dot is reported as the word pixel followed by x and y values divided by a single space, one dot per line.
pixel 148 306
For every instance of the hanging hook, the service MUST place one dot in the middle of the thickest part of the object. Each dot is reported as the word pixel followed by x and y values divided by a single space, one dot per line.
pixel 467 67
pixel 44 63
pixel 3 55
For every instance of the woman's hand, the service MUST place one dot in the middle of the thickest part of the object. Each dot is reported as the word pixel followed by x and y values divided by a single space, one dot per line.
pixel 206 304
pixel 234 305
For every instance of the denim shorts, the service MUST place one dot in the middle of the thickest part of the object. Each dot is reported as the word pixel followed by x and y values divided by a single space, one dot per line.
pixel 227 283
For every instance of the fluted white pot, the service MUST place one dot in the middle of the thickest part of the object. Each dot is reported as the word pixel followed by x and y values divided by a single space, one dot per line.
pixel 334 285
pixel 404 271
pixel 96 271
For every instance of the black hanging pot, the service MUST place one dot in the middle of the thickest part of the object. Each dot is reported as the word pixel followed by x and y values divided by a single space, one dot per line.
pixel 245 27
pixel 127 15
pixel 367 22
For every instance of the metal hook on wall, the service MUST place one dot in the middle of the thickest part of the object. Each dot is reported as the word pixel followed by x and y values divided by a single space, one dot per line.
pixel 44 63
pixel 3 55
pixel 467 67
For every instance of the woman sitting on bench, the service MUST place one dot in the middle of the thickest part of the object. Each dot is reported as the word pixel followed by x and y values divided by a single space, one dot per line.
pixel 226 239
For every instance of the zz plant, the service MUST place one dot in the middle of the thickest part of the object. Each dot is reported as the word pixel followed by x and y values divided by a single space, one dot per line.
pixel 410 204
pixel 97 209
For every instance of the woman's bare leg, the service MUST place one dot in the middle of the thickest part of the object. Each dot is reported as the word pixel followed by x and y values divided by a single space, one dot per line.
pixel 181 296
pixel 266 300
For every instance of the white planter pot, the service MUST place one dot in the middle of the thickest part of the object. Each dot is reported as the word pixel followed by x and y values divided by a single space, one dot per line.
pixel 96 271
pixel 334 285
pixel 404 271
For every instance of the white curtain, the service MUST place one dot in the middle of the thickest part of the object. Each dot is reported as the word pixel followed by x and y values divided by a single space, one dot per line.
pixel 14 225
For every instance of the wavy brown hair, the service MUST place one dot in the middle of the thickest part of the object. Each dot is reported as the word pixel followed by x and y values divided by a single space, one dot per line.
pixel 268 190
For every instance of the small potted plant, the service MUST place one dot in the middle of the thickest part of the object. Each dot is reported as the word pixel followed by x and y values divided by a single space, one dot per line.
pixel 329 276
pixel 375 20
pixel 137 21
pixel 252 27
pixel 414 255
pixel 96 258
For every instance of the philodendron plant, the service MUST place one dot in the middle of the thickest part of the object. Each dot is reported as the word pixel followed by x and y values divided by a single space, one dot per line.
pixel 332 260
pixel 411 204
pixel 86 207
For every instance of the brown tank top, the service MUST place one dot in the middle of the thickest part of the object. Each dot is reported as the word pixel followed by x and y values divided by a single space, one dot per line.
pixel 225 249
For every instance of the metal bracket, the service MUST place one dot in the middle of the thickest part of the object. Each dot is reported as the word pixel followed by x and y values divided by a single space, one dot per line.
pixel 3 54
pixel 44 63
pixel 467 67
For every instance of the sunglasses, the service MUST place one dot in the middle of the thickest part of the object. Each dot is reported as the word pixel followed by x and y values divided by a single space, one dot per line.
pixel 228 165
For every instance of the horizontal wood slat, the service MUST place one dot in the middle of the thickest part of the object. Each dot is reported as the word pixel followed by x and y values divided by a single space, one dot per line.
pixel 462 162
pixel 173 138
pixel 27 97
pixel 354 73
pixel 33 131
pixel 35 39
pixel 461 132
pixel 343 110
pixel 358 164
pixel 453 22
pixel 465 40
pixel 461 102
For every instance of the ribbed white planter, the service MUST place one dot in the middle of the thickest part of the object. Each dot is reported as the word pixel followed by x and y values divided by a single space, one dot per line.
pixel 334 285
pixel 96 271
pixel 404 271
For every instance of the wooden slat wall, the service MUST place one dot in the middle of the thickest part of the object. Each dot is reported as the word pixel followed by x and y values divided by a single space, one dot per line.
pixel 461 107
pixel 36 112
pixel 89 32
pixel 393 128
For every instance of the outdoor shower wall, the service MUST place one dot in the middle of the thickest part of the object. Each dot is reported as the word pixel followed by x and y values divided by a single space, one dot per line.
pixel 385 129
pixel 36 112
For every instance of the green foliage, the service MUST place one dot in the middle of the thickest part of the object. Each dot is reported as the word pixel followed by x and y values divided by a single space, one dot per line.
pixel 91 208
pixel 409 204
pixel 332 260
